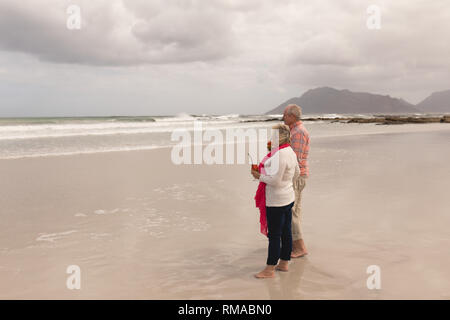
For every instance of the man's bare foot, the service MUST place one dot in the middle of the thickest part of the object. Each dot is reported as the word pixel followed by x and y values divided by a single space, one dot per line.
pixel 298 249
pixel 282 266
pixel 298 253
pixel 268 272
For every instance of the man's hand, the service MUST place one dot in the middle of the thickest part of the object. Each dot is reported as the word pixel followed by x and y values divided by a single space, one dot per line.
pixel 255 174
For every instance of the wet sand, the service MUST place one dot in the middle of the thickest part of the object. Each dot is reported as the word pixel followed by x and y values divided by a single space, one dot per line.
pixel 140 227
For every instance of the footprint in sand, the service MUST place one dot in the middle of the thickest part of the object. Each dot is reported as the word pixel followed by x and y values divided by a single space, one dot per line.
pixel 116 210
pixel 99 236
pixel 80 214
pixel 52 237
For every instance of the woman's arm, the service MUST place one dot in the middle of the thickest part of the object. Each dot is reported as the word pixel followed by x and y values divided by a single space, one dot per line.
pixel 275 179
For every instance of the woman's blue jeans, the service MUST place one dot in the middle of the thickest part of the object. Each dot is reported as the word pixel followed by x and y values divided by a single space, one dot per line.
pixel 279 221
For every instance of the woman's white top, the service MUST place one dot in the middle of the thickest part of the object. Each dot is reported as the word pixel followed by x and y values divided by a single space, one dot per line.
pixel 281 169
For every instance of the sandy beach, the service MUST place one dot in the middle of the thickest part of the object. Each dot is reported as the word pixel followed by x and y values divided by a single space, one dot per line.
pixel 140 227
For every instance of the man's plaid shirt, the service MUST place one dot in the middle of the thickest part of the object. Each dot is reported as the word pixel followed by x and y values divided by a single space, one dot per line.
pixel 300 145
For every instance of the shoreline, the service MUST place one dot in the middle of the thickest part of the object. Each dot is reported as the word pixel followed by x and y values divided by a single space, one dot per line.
pixel 436 126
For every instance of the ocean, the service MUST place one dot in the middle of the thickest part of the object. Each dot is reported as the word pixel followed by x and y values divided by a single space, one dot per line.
pixel 38 137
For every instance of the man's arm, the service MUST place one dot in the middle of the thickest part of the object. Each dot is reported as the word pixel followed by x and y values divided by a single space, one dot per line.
pixel 300 145
pixel 297 170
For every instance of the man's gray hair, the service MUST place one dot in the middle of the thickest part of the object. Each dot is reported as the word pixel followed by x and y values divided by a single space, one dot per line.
pixel 295 110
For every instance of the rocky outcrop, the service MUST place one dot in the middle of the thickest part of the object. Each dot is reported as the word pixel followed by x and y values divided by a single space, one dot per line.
pixel 396 120
pixel 387 119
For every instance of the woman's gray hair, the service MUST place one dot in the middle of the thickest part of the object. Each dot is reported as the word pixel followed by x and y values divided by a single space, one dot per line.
pixel 284 133
pixel 295 110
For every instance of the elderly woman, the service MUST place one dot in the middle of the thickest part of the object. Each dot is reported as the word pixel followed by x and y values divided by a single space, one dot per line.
pixel 277 173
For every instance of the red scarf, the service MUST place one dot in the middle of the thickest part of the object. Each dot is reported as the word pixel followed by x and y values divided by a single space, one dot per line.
pixel 260 197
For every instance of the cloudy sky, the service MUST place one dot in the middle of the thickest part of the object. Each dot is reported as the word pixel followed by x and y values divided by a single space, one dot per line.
pixel 158 57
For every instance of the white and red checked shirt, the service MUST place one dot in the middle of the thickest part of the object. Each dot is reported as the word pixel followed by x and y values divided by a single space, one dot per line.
pixel 300 145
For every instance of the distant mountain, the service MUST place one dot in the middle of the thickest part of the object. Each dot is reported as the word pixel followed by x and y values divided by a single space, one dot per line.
pixel 330 100
pixel 436 102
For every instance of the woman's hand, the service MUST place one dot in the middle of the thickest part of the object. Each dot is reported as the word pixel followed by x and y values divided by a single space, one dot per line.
pixel 255 174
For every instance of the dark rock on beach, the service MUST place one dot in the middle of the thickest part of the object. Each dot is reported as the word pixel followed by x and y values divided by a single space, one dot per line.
pixel 445 119
pixel 378 119
pixel 263 120
pixel 387 120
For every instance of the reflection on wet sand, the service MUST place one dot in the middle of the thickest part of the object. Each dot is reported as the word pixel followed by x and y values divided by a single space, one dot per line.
pixel 192 232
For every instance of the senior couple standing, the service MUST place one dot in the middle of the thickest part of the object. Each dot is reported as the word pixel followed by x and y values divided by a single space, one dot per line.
pixel 283 190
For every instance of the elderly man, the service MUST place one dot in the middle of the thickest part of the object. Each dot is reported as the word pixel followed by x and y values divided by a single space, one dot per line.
pixel 300 145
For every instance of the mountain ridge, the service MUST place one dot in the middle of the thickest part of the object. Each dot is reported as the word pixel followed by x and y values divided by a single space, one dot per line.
pixel 438 101
pixel 331 100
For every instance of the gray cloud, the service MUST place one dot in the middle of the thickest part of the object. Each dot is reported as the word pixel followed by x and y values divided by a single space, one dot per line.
pixel 242 55
pixel 116 33
pixel 340 51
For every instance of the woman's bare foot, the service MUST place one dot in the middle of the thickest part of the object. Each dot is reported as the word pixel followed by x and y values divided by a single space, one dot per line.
pixel 268 272
pixel 283 265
